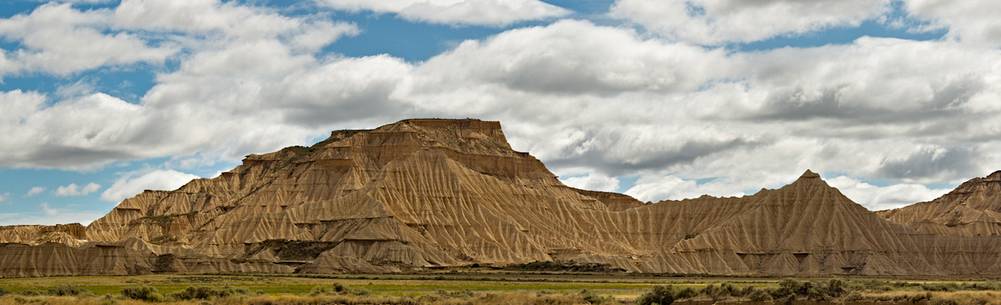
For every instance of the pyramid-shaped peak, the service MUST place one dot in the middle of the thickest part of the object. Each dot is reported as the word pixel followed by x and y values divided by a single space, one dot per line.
pixel 810 178
pixel 809 174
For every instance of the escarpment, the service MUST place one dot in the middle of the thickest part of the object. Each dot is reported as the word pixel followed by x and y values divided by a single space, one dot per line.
pixel 431 193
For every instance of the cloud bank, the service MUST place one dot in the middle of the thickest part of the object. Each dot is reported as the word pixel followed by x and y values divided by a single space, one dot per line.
pixel 665 106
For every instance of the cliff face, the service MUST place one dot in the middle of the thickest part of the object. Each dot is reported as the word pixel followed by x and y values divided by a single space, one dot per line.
pixel 428 193
pixel 972 209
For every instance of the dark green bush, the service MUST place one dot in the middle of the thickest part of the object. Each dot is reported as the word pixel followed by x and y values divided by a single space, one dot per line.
pixel 660 295
pixel 686 293
pixel 66 290
pixel 787 288
pixel 717 293
pixel 759 295
pixel 338 289
pixel 836 288
pixel 207 293
pixel 3 292
pixel 814 291
pixel 144 293
pixel 593 298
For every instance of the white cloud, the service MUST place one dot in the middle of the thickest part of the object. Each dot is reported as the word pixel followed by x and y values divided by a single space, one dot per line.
pixel 462 12
pixel 219 23
pixel 74 190
pixel 58 39
pixel 655 188
pixel 48 211
pixel 592 181
pixel 35 191
pixel 601 101
pixel 84 1
pixel 74 134
pixel 4 197
pixel 714 22
pixel 884 197
pixel 573 57
pixel 62 40
pixel 972 22
pixel 48 215
pixel 87 130
pixel 132 184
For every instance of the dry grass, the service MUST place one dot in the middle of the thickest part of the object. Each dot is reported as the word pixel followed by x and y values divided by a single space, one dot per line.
pixel 478 299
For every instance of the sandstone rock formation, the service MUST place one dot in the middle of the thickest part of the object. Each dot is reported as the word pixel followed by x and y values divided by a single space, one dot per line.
pixel 431 193
pixel 972 209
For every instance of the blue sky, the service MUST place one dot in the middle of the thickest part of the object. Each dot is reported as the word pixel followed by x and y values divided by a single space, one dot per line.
pixel 872 160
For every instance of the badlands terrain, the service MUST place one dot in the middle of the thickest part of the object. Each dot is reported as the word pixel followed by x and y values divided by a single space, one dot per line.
pixel 432 194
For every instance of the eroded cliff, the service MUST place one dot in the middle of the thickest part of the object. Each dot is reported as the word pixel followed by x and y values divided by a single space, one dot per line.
pixel 430 193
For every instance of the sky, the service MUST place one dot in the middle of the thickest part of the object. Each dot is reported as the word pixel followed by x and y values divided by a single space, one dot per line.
pixel 892 101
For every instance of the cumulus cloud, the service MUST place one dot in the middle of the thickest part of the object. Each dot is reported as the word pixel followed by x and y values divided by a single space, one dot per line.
pixel 460 12
pixel 930 164
pixel 652 188
pixel 592 181
pixel 972 22
pixel 35 191
pixel 58 39
pixel 134 183
pixel 221 23
pixel 86 130
pixel 884 197
pixel 74 190
pixel 593 102
pixel 713 22
pixel 78 133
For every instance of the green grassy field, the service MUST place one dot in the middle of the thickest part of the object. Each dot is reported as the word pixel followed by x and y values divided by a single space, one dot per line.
pixel 388 285
pixel 613 289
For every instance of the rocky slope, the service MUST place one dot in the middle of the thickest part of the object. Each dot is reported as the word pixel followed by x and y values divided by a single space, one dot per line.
pixel 972 209
pixel 429 193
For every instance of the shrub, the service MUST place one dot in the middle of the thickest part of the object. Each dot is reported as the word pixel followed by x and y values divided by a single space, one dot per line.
pixel 758 295
pixel 3 292
pixel 686 293
pixel 787 288
pixel 66 290
pixel 661 295
pixel 789 300
pixel 919 298
pixel 944 302
pixel 144 293
pixel 592 298
pixel 717 293
pixel 854 297
pixel 814 291
pixel 206 293
pixel 108 300
pixel 836 288
pixel 338 289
